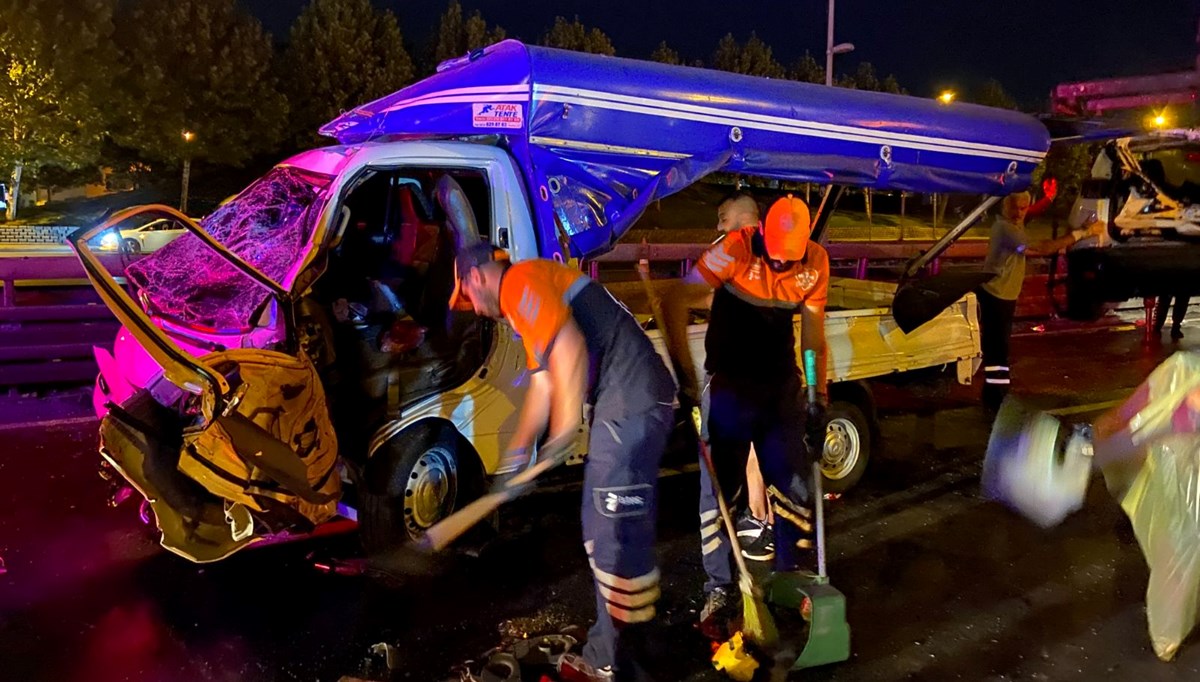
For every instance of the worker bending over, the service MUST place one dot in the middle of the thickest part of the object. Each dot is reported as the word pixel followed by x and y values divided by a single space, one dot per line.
pixel 581 345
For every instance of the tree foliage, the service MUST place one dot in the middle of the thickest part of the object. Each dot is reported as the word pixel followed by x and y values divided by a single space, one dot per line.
pixel 754 58
pixel 341 53
pixel 1069 164
pixel 203 66
pixel 663 54
pixel 457 35
pixel 865 78
pixel 56 60
pixel 573 35
pixel 993 94
pixel 807 70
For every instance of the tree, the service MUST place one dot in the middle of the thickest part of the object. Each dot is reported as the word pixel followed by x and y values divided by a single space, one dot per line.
pixel 992 94
pixel 752 59
pixel 573 35
pixel 807 70
pixel 457 36
pixel 665 55
pixel 57 62
pixel 341 53
pixel 200 66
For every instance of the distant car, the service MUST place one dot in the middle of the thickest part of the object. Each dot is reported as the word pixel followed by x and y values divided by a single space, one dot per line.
pixel 149 237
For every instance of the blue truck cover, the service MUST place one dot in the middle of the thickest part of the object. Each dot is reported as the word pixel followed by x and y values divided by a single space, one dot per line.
pixel 598 137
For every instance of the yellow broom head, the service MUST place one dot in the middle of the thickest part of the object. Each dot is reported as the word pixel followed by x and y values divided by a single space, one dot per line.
pixel 757 623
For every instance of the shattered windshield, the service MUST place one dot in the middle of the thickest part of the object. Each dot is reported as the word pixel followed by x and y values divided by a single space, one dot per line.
pixel 268 225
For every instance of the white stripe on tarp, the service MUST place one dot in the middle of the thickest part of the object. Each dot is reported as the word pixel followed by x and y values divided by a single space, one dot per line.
pixel 791 130
pixel 725 116
pixel 709 515
pixel 608 148
pixel 456 99
pixel 479 90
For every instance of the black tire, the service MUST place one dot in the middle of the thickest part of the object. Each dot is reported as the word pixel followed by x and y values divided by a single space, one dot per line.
pixel 848 441
pixel 133 246
pixel 419 477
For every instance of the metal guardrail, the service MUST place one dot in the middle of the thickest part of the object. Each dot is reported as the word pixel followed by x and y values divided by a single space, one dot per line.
pixel 858 254
pixel 50 319
pixel 50 341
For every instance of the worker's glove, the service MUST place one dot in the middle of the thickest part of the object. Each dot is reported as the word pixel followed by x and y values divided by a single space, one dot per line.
pixel 689 396
pixel 816 420
pixel 512 463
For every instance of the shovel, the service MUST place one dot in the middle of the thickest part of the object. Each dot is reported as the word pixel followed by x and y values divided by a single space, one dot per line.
pixel 828 632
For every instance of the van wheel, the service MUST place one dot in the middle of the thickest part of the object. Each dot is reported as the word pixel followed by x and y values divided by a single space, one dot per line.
pixel 417 478
pixel 847 446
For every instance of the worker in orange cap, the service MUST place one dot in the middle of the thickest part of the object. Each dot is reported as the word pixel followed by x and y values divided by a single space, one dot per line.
pixel 582 345
pixel 758 278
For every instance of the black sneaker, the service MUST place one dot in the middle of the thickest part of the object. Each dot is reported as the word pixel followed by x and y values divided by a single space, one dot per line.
pixel 720 608
pixel 757 539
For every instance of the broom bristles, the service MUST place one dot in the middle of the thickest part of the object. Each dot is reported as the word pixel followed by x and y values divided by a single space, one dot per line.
pixel 757 623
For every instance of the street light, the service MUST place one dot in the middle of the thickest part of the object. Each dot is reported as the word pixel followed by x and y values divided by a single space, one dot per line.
pixel 946 97
pixel 1160 121
pixel 831 49
pixel 188 137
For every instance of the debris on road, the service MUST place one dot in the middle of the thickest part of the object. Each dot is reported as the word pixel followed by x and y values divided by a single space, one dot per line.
pixel 389 652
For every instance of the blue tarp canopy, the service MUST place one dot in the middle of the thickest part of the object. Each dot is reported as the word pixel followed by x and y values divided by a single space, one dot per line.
pixel 600 137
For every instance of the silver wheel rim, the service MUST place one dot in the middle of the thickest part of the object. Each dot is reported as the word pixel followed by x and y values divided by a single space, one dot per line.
pixel 430 490
pixel 843 447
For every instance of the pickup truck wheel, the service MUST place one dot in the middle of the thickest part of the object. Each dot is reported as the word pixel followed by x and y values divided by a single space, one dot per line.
pixel 416 479
pixel 847 446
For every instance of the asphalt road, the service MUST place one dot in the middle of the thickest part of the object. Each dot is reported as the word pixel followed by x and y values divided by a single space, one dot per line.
pixel 940 584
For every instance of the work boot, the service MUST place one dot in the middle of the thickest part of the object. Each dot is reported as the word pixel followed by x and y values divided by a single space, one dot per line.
pixel 720 607
pixel 757 538
pixel 572 668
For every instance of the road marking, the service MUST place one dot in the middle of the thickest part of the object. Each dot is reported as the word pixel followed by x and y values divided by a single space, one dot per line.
pixel 48 423
pixel 1089 407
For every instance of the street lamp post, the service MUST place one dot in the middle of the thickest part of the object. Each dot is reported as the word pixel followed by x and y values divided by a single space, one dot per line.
pixel 831 49
pixel 188 136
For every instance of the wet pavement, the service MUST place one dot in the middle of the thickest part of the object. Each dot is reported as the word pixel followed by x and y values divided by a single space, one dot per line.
pixel 940 584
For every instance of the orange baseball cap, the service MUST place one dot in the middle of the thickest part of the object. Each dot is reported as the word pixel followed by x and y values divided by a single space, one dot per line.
pixel 471 256
pixel 786 229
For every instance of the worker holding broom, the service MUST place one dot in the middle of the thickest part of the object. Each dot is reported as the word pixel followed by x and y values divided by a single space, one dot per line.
pixel 762 276
pixel 582 345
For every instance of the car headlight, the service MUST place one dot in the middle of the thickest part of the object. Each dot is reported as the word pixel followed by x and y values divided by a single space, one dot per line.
pixel 109 241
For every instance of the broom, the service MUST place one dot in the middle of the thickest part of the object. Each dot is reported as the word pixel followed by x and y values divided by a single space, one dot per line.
pixel 757 624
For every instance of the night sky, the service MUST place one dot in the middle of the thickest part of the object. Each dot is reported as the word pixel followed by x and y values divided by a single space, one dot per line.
pixel 1028 45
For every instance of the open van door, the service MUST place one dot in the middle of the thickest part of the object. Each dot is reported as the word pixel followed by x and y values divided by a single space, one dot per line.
pixel 226 447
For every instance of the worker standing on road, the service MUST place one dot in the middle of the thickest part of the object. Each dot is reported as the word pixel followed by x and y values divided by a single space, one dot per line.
pixel 762 276
pixel 755 527
pixel 582 345
pixel 1007 249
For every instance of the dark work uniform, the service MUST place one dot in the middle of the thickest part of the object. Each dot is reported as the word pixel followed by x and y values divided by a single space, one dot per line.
pixel 755 394
pixel 631 394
